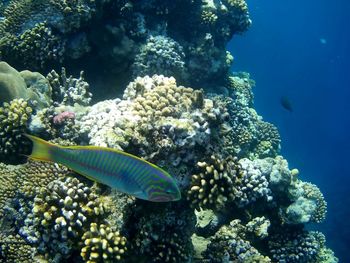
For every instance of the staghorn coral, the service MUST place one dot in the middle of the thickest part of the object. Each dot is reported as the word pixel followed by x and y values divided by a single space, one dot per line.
pixel 102 244
pixel 214 185
pixel 14 118
pixel 61 214
pixel 68 90
pixel 159 55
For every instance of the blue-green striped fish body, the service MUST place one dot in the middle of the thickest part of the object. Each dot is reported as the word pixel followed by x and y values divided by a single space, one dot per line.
pixel 123 171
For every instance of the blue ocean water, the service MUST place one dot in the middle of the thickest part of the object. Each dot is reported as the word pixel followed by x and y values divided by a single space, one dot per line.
pixel 301 50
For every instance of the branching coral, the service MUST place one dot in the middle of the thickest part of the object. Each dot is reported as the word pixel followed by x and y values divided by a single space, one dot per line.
pixel 68 90
pixel 229 245
pixel 36 32
pixel 14 118
pixel 156 233
pixel 102 244
pixel 214 185
pixel 296 246
pixel 159 55
pixel 61 214
pixel 156 118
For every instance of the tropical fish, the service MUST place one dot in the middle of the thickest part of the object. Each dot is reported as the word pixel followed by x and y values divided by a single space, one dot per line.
pixel 286 104
pixel 123 171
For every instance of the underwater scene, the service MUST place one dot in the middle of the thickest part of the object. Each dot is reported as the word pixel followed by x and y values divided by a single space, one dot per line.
pixel 204 131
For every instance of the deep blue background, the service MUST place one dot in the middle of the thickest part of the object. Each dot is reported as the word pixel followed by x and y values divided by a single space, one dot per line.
pixel 284 53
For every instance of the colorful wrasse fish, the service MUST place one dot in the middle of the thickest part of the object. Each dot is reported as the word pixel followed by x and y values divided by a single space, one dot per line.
pixel 125 172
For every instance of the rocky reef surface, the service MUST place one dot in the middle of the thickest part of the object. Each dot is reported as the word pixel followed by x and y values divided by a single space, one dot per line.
pixel 169 97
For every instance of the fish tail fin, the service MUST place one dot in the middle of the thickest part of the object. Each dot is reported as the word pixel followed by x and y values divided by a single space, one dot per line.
pixel 41 149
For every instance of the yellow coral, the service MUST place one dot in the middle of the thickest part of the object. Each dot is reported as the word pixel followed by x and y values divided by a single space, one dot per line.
pixel 102 244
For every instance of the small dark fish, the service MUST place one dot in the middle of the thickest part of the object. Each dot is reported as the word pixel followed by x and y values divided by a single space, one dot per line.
pixel 285 102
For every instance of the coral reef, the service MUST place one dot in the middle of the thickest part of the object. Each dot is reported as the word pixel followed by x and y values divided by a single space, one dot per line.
pixel 179 107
